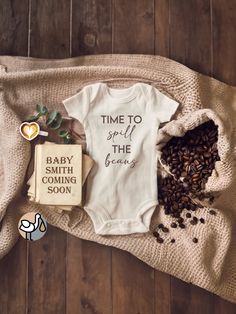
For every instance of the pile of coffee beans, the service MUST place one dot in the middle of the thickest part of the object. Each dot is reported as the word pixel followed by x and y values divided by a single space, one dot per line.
pixel 190 160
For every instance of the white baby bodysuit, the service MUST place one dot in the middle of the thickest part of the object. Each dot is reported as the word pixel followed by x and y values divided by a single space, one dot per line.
pixel 121 131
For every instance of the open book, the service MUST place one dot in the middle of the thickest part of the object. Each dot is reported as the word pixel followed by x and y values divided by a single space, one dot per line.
pixel 58 174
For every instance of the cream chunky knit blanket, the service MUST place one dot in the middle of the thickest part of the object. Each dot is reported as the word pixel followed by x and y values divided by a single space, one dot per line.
pixel 211 264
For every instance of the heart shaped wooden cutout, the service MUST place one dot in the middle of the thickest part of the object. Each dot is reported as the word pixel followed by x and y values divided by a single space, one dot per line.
pixel 29 130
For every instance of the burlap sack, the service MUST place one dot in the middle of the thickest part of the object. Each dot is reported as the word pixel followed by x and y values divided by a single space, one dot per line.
pixel 222 175
pixel 212 263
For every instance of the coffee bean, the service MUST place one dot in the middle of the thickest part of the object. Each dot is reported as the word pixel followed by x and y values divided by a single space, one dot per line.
pixel 207 155
pixel 160 240
pixel 195 240
pixel 172 241
pixel 193 222
pixel 193 206
pixel 180 220
pixel 212 212
pixel 163 161
pixel 182 226
pixel 202 220
pixel 188 215
pixel 211 199
pixel 199 167
pixel 212 133
pixel 175 205
pixel 173 225
pixel 185 199
pixel 164 229
pixel 156 234
pixel 185 185
pixel 176 215
pixel 160 226
pixel 196 162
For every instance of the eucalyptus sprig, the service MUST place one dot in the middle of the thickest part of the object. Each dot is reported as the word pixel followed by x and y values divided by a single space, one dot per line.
pixel 53 120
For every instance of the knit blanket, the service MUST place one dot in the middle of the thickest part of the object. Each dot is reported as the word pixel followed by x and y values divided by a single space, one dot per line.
pixel 211 264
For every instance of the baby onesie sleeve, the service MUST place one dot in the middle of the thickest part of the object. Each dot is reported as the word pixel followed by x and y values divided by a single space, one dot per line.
pixel 162 105
pixel 77 106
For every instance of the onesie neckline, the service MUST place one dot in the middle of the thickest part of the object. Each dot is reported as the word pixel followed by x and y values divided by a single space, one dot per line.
pixel 128 93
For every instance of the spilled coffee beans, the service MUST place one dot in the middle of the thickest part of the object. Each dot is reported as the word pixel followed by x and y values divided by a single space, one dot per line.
pixel 190 160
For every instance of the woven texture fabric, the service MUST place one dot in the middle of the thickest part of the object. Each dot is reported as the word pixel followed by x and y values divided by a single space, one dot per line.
pixel 211 264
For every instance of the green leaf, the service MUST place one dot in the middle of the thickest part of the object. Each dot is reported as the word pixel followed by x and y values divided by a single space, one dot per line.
pixel 41 109
pixel 63 133
pixel 52 116
pixel 56 123
pixel 67 139
pixel 32 118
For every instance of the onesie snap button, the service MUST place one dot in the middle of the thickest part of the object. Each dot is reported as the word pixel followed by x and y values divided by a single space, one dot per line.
pixel 108 224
